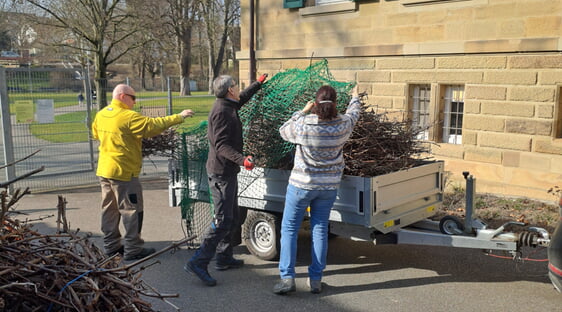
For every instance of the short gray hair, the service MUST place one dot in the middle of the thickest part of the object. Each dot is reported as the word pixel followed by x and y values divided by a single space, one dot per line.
pixel 221 85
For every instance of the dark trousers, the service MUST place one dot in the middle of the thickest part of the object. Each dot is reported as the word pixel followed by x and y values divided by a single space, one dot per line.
pixel 226 230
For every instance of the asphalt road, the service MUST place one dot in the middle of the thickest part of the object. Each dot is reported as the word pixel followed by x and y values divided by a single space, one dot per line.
pixel 359 276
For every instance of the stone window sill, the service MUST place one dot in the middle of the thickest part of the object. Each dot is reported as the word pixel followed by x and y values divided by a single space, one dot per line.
pixel 329 9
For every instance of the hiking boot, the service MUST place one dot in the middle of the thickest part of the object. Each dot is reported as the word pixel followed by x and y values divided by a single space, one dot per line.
pixel 119 250
pixel 284 286
pixel 314 285
pixel 201 273
pixel 143 253
pixel 231 263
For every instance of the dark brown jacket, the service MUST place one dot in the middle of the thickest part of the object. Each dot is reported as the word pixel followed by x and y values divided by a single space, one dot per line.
pixel 225 134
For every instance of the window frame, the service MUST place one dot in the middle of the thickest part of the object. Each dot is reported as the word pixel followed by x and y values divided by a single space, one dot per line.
pixel 449 109
pixel 421 105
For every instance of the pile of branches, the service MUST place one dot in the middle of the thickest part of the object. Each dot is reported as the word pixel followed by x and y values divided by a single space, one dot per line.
pixel 163 144
pixel 379 145
pixel 64 271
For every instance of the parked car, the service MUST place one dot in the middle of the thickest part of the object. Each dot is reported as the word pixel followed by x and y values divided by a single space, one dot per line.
pixel 9 54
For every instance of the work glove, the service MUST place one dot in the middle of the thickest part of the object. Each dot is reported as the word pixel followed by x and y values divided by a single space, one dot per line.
pixel 249 163
pixel 261 79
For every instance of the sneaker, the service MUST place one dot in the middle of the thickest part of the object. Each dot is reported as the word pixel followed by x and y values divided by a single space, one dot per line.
pixel 203 275
pixel 145 252
pixel 120 251
pixel 284 286
pixel 314 285
pixel 231 263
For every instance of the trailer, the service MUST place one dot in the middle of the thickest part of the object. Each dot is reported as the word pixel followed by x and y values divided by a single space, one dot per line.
pixel 393 208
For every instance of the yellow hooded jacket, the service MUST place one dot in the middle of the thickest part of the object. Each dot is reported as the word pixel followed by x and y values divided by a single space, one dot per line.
pixel 120 131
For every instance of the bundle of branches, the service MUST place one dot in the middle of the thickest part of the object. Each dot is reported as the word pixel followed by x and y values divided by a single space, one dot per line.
pixel 64 271
pixel 379 145
pixel 161 145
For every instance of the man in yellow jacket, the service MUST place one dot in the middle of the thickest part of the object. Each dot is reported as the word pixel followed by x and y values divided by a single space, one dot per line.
pixel 120 131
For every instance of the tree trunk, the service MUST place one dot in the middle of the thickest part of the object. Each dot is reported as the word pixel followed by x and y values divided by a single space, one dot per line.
pixel 211 59
pixel 143 75
pixel 185 62
pixel 101 82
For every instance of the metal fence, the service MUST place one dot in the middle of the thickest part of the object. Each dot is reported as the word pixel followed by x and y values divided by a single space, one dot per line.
pixel 42 111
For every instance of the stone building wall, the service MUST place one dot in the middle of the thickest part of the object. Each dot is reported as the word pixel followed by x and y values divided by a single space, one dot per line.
pixel 504 56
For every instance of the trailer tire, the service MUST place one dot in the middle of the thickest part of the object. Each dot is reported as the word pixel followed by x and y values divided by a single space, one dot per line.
pixel 451 225
pixel 262 234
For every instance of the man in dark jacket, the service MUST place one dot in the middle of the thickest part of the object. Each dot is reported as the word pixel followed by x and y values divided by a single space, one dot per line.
pixel 223 164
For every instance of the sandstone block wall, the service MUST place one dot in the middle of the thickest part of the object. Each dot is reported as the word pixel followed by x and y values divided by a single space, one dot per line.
pixel 505 54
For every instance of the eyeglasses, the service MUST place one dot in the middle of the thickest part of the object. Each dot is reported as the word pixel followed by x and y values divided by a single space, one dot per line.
pixel 134 98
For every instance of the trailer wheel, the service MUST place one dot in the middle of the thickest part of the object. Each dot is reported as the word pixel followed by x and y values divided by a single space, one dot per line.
pixel 451 225
pixel 261 234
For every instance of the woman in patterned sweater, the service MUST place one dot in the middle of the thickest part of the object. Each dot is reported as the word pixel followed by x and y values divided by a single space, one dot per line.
pixel 314 181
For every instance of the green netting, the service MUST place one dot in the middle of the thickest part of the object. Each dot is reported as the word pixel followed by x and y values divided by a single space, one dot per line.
pixel 281 96
pixel 275 102
pixel 196 208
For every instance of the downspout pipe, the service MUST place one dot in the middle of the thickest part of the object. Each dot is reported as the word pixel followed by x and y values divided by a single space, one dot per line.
pixel 252 40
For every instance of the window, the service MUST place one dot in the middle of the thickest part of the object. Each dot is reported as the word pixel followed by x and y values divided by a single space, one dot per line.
pixel 419 102
pixel 452 114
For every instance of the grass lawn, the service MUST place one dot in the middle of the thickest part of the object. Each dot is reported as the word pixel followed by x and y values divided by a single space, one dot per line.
pixel 71 127
pixel 60 99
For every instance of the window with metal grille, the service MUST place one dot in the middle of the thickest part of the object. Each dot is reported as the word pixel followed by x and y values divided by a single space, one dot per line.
pixel 453 112
pixel 420 96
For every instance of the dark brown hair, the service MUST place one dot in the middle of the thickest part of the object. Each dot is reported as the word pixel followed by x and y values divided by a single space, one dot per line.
pixel 325 104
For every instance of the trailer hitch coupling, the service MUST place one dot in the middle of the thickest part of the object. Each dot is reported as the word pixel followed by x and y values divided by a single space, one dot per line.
pixel 534 237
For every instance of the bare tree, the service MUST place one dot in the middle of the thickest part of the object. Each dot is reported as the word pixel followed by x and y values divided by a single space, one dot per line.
pixel 4 36
pixel 220 16
pixel 147 59
pixel 100 27
pixel 179 18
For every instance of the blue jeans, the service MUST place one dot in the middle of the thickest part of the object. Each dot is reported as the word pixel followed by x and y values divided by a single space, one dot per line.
pixel 296 202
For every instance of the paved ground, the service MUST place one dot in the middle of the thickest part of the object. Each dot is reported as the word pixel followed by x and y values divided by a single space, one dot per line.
pixel 359 276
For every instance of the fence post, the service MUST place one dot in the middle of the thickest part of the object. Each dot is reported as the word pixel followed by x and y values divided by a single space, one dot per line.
pixel 169 95
pixel 89 108
pixel 7 129
pixel 162 75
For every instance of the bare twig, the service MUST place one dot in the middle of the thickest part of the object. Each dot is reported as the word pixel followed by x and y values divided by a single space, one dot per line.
pixel 30 173
pixel 19 160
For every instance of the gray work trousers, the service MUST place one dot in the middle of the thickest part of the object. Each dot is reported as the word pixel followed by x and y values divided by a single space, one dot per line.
pixel 121 199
